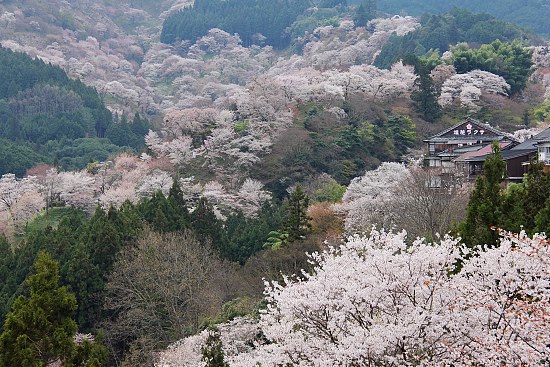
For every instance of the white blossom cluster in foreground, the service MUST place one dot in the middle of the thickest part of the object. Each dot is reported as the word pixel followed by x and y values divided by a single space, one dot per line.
pixel 377 301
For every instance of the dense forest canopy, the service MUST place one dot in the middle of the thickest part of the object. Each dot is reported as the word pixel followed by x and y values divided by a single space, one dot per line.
pixel 439 32
pixel 531 14
pixel 248 18
pixel 47 117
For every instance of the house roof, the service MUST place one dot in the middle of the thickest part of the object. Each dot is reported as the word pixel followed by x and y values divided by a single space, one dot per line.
pixel 506 155
pixel 487 133
pixel 542 137
pixel 484 150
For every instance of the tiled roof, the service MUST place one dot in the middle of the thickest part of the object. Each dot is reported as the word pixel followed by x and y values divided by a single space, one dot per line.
pixel 486 149
pixel 506 155
pixel 486 127
pixel 543 136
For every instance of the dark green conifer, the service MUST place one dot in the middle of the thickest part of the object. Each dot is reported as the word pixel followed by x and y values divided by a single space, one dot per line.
pixel 212 351
pixel 484 208
pixel 40 329
pixel 297 223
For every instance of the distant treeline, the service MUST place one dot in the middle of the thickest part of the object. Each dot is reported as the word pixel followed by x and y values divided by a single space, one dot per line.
pixel 531 14
pixel 248 18
pixel 439 32
pixel 47 117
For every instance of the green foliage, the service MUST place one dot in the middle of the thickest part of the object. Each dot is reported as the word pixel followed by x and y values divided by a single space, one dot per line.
pixel 403 131
pixel 245 236
pixel 542 220
pixel 18 157
pixel 509 60
pixel 525 204
pixel 40 328
pixel 46 117
pixel 238 307
pixel 439 32
pixel 212 350
pixel 343 150
pixel 241 127
pixel 366 11
pixel 297 222
pixel 129 134
pixel 312 20
pixel 23 79
pixel 330 192
pixel 206 224
pixel 245 17
pixel 542 112
pixel 425 97
pixel 90 354
pixel 276 240
pixel 529 13
pixel 165 214
pixel 536 185
pixel 484 207
pixel 51 219
pixel 86 249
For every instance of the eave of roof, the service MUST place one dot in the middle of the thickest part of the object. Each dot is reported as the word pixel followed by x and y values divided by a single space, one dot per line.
pixel 542 137
pixel 474 121
pixel 506 155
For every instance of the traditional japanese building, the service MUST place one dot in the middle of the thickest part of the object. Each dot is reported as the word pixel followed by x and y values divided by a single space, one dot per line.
pixel 465 147
pixel 468 136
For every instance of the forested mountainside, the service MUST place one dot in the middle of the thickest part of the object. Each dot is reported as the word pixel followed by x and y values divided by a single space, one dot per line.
pixel 247 18
pixel 46 117
pixel 278 128
pixel 530 14
pixel 440 32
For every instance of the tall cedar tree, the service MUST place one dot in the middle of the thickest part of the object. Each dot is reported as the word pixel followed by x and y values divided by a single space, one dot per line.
pixel 177 201
pixel 40 329
pixel 365 11
pixel 425 97
pixel 205 224
pixel 297 223
pixel 484 208
pixel 537 191
pixel 212 351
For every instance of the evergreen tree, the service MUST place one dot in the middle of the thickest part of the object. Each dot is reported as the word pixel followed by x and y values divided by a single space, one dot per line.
pixel 537 191
pixel 103 241
pixel 484 208
pixel 513 212
pixel 297 223
pixel 370 9
pixel 40 329
pixel 403 131
pixel 542 220
pixel 177 201
pixel 365 11
pixel 425 97
pixel 361 18
pixel 212 351
pixel 205 224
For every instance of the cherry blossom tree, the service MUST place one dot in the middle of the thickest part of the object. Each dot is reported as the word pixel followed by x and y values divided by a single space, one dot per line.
pixel 469 87
pixel 379 300
pixel 440 74
pixel 19 198
pixel 237 335
pixel 77 189
pixel 525 134
pixel 252 196
pixel 367 200
pixel 503 304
